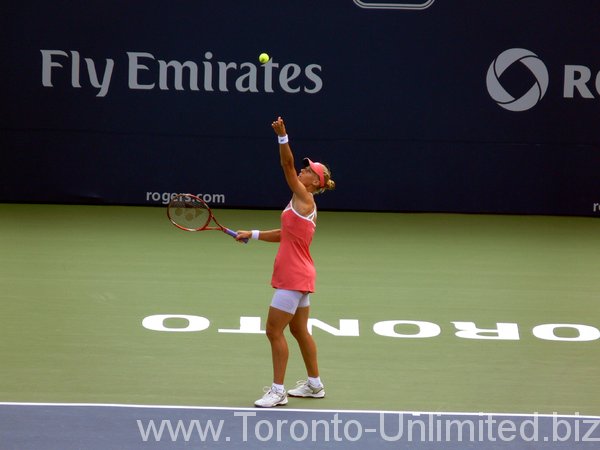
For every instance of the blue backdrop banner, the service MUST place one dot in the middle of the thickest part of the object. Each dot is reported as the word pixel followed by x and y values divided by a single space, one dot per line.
pixel 442 106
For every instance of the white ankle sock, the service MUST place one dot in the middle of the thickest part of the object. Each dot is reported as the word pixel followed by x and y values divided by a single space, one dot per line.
pixel 279 388
pixel 316 382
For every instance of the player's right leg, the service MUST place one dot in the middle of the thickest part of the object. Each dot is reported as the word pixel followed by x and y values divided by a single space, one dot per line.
pixel 312 387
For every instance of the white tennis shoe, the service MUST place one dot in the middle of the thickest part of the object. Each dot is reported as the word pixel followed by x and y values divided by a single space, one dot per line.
pixel 304 389
pixel 271 398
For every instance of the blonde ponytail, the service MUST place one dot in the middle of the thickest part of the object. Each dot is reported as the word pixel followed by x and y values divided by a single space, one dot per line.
pixel 329 183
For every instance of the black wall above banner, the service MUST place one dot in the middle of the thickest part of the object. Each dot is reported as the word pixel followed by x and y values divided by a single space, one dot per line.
pixel 437 106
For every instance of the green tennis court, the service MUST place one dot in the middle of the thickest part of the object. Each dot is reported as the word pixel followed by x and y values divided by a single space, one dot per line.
pixel 78 281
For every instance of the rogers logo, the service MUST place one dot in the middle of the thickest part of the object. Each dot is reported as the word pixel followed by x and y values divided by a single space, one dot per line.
pixel 506 59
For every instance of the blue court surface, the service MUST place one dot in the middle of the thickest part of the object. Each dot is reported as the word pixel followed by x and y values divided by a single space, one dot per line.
pixel 108 427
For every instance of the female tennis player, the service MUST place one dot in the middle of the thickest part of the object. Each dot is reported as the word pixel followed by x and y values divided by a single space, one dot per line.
pixel 293 273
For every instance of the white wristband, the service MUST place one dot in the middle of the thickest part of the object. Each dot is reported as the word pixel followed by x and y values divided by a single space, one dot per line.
pixel 255 234
pixel 283 139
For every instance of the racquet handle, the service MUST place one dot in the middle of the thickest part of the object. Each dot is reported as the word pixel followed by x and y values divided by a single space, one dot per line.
pixel 234 234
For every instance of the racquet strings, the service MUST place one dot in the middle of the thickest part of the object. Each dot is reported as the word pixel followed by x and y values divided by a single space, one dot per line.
pixel 188 212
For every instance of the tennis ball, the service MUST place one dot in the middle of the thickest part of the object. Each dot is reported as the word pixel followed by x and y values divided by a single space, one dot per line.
pixel 264 58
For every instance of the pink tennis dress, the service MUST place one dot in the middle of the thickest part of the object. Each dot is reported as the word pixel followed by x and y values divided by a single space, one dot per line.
pixel 294 268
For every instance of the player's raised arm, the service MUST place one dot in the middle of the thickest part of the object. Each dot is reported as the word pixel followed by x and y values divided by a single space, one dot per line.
pixel 287 162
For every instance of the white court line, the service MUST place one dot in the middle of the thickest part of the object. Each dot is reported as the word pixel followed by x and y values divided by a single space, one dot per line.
pixel 341 411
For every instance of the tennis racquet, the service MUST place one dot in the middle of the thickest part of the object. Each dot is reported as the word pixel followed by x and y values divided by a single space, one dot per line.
pixel 190 213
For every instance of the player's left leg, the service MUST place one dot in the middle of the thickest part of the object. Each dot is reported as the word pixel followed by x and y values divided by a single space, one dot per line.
pixel 308 348
pixel 277 320
pixel 282 309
